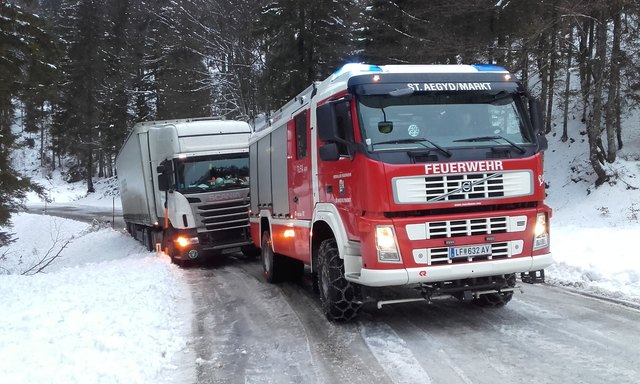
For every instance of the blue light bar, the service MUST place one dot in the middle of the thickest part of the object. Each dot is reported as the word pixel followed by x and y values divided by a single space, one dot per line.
pixel 489 68
pixel 356 68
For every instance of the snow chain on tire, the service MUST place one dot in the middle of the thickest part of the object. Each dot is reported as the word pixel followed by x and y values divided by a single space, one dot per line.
pixel 339 298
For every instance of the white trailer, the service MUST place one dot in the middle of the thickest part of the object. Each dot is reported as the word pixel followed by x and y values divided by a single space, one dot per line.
pixel 184 184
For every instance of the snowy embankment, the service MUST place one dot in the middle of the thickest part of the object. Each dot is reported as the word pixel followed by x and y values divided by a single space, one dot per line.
pixel 104 311
pixel 595 232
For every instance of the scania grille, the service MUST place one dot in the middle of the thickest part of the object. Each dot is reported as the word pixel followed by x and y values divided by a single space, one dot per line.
pixel 460 187
pixel 440 255
pixel 224 215
pixel 466 227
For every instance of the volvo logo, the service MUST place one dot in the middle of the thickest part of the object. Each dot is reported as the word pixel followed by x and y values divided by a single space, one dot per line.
pixel 465 186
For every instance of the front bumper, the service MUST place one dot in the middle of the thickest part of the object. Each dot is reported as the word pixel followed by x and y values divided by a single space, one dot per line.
pixel 439 273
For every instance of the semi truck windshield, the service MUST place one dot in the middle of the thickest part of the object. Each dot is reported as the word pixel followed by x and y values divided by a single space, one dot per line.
pixel 212 173
pixel 449 119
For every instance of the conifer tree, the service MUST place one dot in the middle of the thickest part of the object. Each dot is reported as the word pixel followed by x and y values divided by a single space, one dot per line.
pixel 303 41
pixel 21 37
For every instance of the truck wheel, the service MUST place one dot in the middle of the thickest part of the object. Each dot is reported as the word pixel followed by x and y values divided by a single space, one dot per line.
pixel 496 300
pixel 270 260
pixel 278 267
pixel 339 297
pixel 251 251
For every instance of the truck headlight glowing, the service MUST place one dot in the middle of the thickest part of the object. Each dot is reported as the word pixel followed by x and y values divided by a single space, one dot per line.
pixel 541 232
pixel 387 245
pixel 183 242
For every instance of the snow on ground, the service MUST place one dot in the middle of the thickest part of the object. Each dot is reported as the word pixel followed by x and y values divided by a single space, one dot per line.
pixel 595 232
pixel 104 311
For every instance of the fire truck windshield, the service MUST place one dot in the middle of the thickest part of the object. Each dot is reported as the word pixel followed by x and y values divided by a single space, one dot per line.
pixel 212 173
pixel 449 119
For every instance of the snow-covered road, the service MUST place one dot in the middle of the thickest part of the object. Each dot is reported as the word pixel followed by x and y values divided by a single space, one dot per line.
pixel 249 331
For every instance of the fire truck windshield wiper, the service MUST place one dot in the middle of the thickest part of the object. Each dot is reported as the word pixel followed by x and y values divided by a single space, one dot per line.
pixel 492 138
pixel 419 141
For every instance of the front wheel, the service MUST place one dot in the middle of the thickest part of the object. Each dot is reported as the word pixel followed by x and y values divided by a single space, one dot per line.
pixel 339 297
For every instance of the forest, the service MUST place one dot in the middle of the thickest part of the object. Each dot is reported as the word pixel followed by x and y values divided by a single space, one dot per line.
pixel 79 74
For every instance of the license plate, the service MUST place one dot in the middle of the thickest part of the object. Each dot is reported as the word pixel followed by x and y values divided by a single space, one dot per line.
pixel 470 251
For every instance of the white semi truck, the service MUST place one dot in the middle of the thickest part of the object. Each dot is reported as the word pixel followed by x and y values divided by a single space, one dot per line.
pixel 184 184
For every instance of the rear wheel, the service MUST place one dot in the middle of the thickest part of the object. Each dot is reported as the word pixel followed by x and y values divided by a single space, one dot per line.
pixel 147 238
pixel 278 267
pixel 498 299
pixel 339 297
pixel 270 260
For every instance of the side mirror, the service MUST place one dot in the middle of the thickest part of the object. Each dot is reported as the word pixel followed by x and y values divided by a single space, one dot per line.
pixel 329 152
pixel 535 111
pixel 165 171
pixel 543 144
pixel 327 122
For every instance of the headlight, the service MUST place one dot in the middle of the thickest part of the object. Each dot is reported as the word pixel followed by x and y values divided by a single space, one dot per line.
pixel 386 244
pixel 541 232
pixel 182 241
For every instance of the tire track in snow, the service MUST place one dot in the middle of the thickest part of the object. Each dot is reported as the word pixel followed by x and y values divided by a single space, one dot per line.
pixel 392 354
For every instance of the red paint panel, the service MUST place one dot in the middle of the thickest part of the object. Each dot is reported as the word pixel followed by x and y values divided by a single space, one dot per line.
pixel 291 241
pixel 254 228
pixel 299 171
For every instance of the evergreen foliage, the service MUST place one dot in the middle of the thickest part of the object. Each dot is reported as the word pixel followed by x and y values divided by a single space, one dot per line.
pixel 86 70
pixel 23 48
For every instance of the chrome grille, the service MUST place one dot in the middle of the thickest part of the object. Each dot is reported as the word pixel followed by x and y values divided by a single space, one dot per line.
pixel 460 187
pixel 454 187
pixel 224 215
pixel 467 227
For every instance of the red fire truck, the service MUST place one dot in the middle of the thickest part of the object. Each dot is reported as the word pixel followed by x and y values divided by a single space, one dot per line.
pixel 423 176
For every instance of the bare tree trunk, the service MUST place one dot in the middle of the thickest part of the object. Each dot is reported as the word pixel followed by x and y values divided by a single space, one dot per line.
pixel 618 113
pixel 89 171
pixel 100 163
pixel 584 62
pixel 525 72
pixel 43 154
pixel 543 68
pixel 552 73
pixel 567 86
pixel 594 130
pixel 110 165
pixel 614 82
